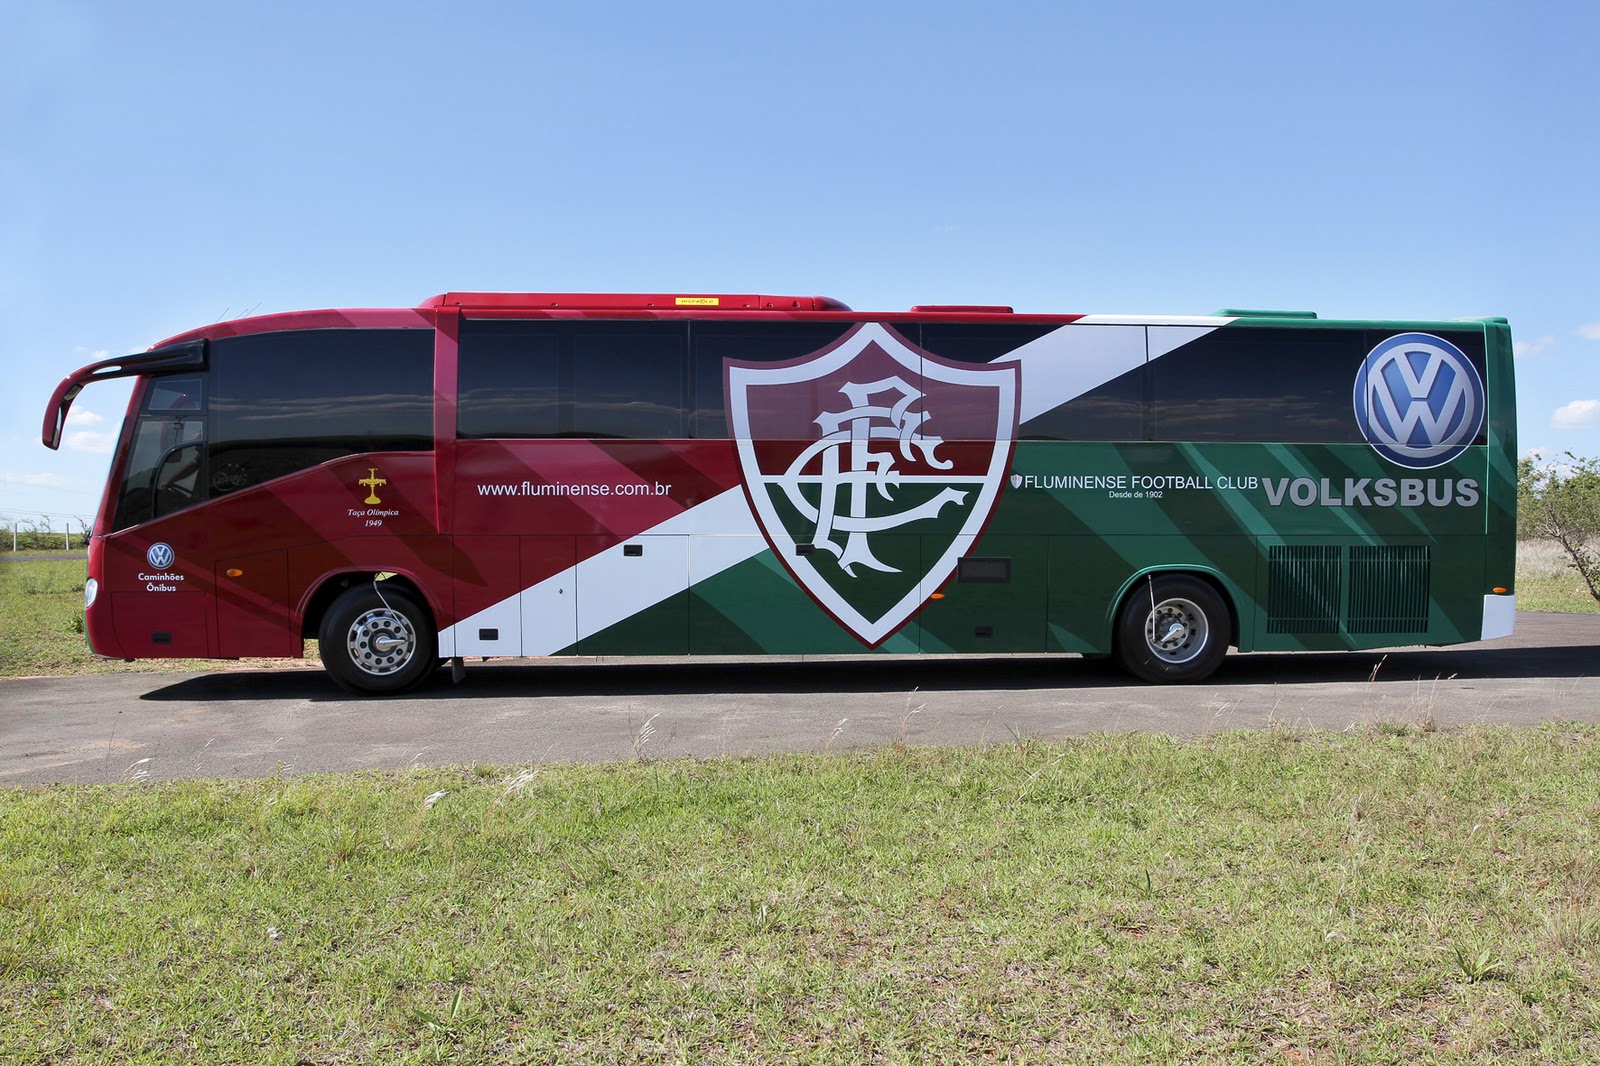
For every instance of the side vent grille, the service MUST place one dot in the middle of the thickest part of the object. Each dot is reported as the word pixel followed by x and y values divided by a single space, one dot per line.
pixel 1303 588
pixel 1389 589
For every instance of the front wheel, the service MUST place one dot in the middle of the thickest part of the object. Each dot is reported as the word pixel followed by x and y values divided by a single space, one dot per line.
pixel 378 640
pixel 1172 629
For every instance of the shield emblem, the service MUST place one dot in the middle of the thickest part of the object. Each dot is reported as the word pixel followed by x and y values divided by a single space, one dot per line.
pixel 872 467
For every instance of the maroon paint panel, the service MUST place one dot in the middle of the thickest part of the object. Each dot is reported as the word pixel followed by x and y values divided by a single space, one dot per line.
pixel 99 627
pixel 487 570
pixel 253 607
pixel 612 488
pixel 161 625
pixel 547 555
pixel 425 561
pixel 394 511
pixel 360 513
pixel 356 318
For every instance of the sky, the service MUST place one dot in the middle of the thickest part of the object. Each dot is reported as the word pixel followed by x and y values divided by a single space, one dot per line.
pixel 167 165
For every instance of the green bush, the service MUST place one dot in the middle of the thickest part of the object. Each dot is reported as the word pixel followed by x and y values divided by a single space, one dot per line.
pixel 1561 502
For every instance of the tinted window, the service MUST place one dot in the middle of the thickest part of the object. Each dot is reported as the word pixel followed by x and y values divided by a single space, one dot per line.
pixel 1239 383
pixel 172 395
pixel 972 343
pixel 571 379
pixel 508 379
pixel 1110 410
pixel 628 381
pixel 164 465
pixel 282 402
pixel 712 343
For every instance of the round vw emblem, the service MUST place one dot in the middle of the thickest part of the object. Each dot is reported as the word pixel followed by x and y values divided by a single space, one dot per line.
pixel 1419 401
pixel 160 555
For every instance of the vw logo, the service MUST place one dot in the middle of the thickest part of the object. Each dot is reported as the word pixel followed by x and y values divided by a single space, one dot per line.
pixel 160 555
pixel 1419 401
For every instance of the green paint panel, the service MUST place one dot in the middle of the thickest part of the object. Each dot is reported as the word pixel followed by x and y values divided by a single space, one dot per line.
pixel 756 607
pixel 1226 488
pixel 659 630
pixel 1087 587
pixel 988 615
pixel 1081 522
pixel 1313 545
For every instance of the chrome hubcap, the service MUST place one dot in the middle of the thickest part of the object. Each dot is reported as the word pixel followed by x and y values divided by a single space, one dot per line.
pixel 1176 630
pixel 381 641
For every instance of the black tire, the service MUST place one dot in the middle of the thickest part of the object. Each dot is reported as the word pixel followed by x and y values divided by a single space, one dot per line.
pixel 1185 636
pixel 377 639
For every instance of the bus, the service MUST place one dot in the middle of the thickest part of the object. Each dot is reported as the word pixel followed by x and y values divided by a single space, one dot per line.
pixel 539 474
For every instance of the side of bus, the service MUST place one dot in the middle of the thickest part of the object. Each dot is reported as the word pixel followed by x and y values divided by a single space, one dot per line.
pixel 459 482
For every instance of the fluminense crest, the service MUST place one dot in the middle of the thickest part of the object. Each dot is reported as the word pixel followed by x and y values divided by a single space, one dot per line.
pixel 872 467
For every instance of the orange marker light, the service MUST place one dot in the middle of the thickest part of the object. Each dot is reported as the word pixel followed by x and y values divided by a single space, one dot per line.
pixel 235 573
pixel 1499 591
pixel 937 596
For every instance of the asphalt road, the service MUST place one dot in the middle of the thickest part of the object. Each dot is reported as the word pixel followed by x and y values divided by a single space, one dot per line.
pixel 118 727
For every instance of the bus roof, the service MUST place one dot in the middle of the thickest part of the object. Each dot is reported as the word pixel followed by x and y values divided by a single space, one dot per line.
pixel 630 301
pixel 579 305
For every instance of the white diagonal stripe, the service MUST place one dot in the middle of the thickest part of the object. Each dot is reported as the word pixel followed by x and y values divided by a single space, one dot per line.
pixel 713 536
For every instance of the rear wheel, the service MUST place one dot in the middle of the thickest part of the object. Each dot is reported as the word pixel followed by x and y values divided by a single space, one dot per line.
pixel 376 640
pixel 1172 629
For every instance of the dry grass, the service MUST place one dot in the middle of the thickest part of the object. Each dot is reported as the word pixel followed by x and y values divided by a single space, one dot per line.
pixel 1546 580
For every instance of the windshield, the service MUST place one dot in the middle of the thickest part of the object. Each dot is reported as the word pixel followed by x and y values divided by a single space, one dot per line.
pixel 163 472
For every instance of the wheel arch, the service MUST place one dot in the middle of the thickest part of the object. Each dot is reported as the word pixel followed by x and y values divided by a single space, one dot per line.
pixel 1227 590
pixel 321 595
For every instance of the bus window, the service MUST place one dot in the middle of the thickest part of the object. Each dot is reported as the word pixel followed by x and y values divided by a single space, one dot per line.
pixel 163 472
pixel 519 379
pixel 627 381
pixel 713 343
pixel 1285 385
pixel 508 378
pixel 283 402
pixel 173 394
pixel 1111 411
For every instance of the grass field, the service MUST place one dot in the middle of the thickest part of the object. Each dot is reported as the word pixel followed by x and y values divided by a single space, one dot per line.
pixel 1380 896
pixel 41 615
pixel 1386 895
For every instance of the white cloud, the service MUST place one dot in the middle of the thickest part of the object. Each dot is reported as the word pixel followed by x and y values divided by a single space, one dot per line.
pixel 1579 414
pixel 81 416
pixel 88 440
pixel 47 480
pixel 1527 349
pixel 1589 331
